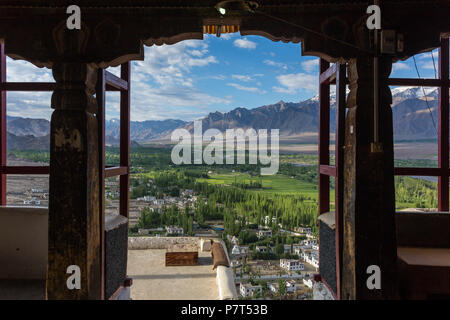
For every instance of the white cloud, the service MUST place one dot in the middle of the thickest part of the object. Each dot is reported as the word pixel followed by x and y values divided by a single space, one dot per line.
pixel 23 71
pixel 294 82
pixel 218 77
pixel 276 64
pixel 398 66
pixel 246 78
pixel 244 44
pixel 196 53
pixel 226 36
pixel 248 89
pixel 28 104
pixel 242 77
pixel 427 55
pixel 425 60
pixel 311 66
pixel 429 65
pixel 162 86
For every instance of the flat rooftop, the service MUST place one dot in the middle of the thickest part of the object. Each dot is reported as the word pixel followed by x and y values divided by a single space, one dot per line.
pixel 152 280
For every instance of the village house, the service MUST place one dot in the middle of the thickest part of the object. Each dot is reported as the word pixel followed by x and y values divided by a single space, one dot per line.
pixel 244 250
pixel 33 202
pixel 297 249
pixel 261 249
pixel 291 286
pixel 172 230
pixel 249 290
pixel 291 265
pixel 308 282
pixel 274 287
pixel 306 230
pixel 264 233
pixel 236 250
pixel 267 220
pixel 312 259
pixel 146 198
pixel 235 263
pixel 287 248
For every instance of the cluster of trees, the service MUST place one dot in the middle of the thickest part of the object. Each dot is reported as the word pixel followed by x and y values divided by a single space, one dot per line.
pixel 251 207
pixel 168 216
pixel 248 185
pixel 208 209
pixel 416 192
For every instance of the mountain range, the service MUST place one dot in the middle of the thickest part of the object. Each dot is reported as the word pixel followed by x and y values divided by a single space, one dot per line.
pixel 414 112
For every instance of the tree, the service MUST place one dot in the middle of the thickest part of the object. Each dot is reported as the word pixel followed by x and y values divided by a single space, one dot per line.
pixel 279 249
pixel 281 287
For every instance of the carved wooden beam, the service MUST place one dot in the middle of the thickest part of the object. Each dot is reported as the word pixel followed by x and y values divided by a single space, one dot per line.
pixel 114 32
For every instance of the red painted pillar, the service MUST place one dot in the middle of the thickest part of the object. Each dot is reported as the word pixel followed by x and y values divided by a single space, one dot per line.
pixel 443 126
pixel 341 82
pixel 125 71
pixel 2 125
pixel 324 139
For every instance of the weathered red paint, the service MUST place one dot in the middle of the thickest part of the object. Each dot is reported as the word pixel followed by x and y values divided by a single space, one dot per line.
pixel 324 137
pixel 125 71
pixel 341 80
pixel 443 125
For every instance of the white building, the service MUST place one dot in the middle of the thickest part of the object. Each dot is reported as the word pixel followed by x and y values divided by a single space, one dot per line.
pixel 33 202
pixel 143 231
pixel 312 259
pixel 308 244
pixel 291 286
pixel 306 230
pixel 287 248
pixel 291 265
pixel 261 249
pixel 249 290
pixel 244 249
pixel 297 249
pixel 264 233
pixel 308 282
pixel 267 220
pixel 235 263
pixel 174 231
pixel 147 198
pixel 236 250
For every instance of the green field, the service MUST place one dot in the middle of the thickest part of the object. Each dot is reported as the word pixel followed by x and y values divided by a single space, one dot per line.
pixel 280 184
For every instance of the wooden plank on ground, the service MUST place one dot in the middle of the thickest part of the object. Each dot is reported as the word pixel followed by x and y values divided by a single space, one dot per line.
pixel 181 258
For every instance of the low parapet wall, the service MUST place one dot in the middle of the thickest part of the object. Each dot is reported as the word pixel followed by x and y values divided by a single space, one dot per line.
pixel 136 243
pixel 23 242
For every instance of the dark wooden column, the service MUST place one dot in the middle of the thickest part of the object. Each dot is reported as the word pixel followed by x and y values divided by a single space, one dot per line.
pixel 3 133
pixel 74 207
pixel 369 204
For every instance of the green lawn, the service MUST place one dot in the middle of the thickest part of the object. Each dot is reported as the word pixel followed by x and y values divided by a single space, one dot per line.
pixel 271 184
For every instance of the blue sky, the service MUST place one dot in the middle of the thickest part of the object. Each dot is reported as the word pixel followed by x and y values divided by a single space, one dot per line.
pixel 192 78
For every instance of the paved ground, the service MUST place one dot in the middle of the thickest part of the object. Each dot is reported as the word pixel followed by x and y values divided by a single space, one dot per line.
pixel 152 280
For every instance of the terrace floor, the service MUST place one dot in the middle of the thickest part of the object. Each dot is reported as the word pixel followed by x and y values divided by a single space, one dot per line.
pixel 152 280
pixel 19 289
